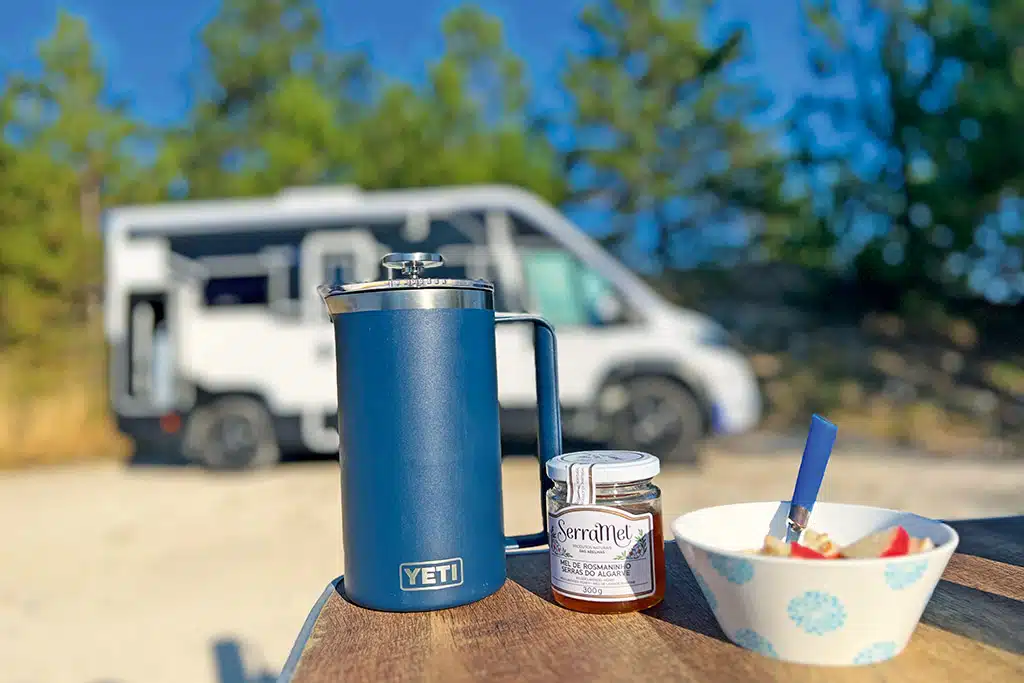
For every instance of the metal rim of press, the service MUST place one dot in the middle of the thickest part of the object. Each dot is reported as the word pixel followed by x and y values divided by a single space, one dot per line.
pixel 406 273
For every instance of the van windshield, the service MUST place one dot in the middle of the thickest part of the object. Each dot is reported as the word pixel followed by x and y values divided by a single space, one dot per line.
pixel 568 293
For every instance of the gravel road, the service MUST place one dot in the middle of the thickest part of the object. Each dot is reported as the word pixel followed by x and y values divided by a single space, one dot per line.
pixel 162 575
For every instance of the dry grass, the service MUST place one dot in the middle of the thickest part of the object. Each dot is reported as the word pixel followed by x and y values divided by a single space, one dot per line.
pixel 793 389
pixel 54 414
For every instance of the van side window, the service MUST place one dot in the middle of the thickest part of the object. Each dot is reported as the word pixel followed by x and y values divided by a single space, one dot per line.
pixel 463 258
pixel 462 241
pixel 568 293
pixel 551 278
pixel 236 291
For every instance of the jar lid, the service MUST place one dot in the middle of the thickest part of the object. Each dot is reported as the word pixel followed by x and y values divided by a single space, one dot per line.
pixel 606 467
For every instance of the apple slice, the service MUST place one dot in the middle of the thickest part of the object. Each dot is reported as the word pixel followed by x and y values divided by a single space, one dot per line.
pixel 775 547
pixel 888 543
pixel 820 543
pixel 805 553
pixel 920 545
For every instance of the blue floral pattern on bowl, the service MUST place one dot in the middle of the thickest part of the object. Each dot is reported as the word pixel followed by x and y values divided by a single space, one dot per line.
pixel 817 613
pixel 900 575
pixel 706 590
pixel 754 641
pixel 878 652
pixel 733 570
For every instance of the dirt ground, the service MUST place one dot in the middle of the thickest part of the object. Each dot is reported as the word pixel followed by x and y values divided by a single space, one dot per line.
pixel 162 575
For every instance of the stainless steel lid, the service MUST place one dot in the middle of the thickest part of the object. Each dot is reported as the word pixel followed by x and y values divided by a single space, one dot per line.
pixel 406 288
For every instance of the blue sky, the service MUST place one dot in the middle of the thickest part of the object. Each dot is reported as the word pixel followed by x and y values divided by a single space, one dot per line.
pixel 148 47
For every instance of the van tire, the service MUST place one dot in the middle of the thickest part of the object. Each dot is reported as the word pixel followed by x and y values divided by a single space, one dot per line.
pixel 679 443
pixel 232 433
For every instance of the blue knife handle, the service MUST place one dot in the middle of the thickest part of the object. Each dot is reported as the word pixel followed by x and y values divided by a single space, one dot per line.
pixel 817 450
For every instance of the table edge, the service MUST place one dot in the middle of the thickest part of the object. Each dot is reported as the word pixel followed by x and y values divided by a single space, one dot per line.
pixel 292 663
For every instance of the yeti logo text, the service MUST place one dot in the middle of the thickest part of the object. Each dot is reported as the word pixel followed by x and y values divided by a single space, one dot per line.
pixel 431 576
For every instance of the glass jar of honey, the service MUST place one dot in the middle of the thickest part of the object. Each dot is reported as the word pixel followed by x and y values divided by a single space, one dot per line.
pixel 606 541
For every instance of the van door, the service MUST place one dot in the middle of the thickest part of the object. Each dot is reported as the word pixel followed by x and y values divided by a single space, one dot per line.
pixel 152 377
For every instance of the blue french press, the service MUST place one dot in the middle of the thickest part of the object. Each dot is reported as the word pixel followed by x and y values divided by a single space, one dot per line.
pixel 420 448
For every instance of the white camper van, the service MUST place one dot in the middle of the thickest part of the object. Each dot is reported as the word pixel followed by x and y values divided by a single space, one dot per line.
pixel 221 348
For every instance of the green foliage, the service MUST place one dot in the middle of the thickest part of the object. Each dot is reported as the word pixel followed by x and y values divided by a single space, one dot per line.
pixel 277 109
pixel 662 124
pixel 40 259
pixel 467 125
pixel 929 148
pixel 66 145
pixel 272 104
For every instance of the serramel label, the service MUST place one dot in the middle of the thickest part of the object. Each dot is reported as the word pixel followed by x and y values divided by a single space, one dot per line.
pixel 601 553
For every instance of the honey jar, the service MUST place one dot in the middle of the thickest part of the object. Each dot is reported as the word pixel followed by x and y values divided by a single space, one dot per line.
pixel 605 535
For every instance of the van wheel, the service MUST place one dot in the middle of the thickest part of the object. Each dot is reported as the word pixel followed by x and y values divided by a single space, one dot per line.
pixel 659 416
pixel 233 433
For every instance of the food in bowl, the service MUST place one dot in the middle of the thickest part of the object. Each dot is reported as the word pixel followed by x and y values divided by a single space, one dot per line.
pixel 813 545
pixel 852 612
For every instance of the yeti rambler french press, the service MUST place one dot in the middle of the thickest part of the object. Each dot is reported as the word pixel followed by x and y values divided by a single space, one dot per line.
pixel 420 440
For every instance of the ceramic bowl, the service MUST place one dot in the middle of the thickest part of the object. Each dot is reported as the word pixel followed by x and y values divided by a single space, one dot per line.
pixel 822 612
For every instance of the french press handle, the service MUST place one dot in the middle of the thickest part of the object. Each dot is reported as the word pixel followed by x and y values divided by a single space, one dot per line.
pixel 549 414
pixel 410 265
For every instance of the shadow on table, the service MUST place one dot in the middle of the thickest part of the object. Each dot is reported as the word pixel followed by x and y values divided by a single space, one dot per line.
pixel 684 606
pixel 989 618
pixel 227 655
pixel 998 539
pixel 985 617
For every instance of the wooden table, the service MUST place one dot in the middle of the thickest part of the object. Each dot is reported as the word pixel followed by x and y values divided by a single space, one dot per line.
pixel 972 632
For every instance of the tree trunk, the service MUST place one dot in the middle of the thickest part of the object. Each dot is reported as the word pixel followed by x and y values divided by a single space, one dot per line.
pixel 90 208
